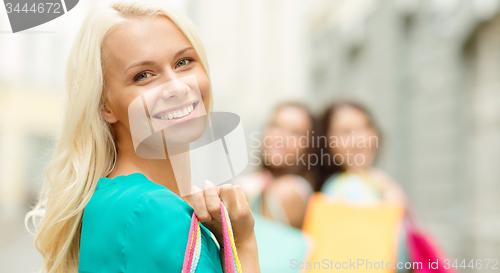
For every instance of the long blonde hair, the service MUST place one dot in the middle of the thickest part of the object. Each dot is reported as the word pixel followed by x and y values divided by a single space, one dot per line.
pixel 85 149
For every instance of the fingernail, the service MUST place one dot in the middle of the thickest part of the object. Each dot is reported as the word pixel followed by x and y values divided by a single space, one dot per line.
pixel 207 184
pixel 195 189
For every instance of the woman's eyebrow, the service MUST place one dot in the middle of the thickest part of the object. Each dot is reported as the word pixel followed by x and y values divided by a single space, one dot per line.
pixel 180 52
pixel 138 64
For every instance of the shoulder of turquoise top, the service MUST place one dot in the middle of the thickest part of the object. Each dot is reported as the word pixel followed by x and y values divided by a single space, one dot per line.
pixel 123 193
pixel 160 202
pixel 130 186
pixel 159 223
pixel 164 197
pixel 125 181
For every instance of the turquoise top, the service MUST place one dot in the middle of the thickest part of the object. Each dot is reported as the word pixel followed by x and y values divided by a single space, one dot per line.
pixel 132 224
pixel 351 187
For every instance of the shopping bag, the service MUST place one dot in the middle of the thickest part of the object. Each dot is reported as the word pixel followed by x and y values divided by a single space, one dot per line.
pixel 424 255
pixel 350 237
pixel 194 245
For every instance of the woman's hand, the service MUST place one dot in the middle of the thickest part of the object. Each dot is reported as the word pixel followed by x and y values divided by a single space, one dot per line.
pixel 206 205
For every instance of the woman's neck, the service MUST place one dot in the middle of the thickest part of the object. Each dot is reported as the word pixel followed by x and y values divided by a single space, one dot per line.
pixel 157 170
pixel 160 171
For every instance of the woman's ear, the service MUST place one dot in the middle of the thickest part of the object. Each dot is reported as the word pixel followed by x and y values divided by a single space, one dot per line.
pixel 107 114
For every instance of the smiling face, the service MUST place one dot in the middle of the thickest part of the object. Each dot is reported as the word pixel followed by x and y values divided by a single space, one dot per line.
pixel 149 59
pixel 285 138
pixel 356 138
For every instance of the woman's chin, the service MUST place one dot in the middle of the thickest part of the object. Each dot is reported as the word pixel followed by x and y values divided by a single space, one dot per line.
pixel 184 133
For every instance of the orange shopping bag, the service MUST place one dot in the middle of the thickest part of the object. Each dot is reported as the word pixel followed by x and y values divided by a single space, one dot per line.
pixel 350 237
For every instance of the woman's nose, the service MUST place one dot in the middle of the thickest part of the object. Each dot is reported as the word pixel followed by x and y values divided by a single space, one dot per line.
pixel 174 89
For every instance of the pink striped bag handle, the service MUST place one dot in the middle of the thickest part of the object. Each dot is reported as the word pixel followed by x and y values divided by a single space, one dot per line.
pixel 193 248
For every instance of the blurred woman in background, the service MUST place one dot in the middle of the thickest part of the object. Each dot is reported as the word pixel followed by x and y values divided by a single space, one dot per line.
pixel 279 190
pixel 353 141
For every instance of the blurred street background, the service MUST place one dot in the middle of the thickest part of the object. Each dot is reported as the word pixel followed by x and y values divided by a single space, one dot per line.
pixel 428 69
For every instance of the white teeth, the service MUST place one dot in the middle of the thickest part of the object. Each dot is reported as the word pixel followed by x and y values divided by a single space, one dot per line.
pixel 178 113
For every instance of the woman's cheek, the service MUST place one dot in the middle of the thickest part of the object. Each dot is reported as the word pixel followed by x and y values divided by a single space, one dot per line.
pixel 205 96
pixel 204 86
pixel 374 142
pixel 206 102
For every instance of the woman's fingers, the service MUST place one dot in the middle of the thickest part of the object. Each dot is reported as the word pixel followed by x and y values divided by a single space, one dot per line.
pixel 199 205
pixel 227 194
pixel 212 199
pixel 236 202
pixel 240 195
pixel 243 206
pixel 239 212
pixel 206 203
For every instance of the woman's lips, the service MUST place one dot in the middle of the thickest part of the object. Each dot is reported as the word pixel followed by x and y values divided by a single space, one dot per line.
pixel 176 112
pixel 178 115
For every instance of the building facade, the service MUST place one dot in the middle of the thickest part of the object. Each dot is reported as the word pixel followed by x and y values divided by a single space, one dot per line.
pixel 430 72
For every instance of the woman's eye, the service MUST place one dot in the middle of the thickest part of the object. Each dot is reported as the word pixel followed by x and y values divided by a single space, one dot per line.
pixel 183 62
pixel 142 76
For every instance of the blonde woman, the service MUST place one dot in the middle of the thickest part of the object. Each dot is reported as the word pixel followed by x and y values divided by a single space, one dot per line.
pixel 105 209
